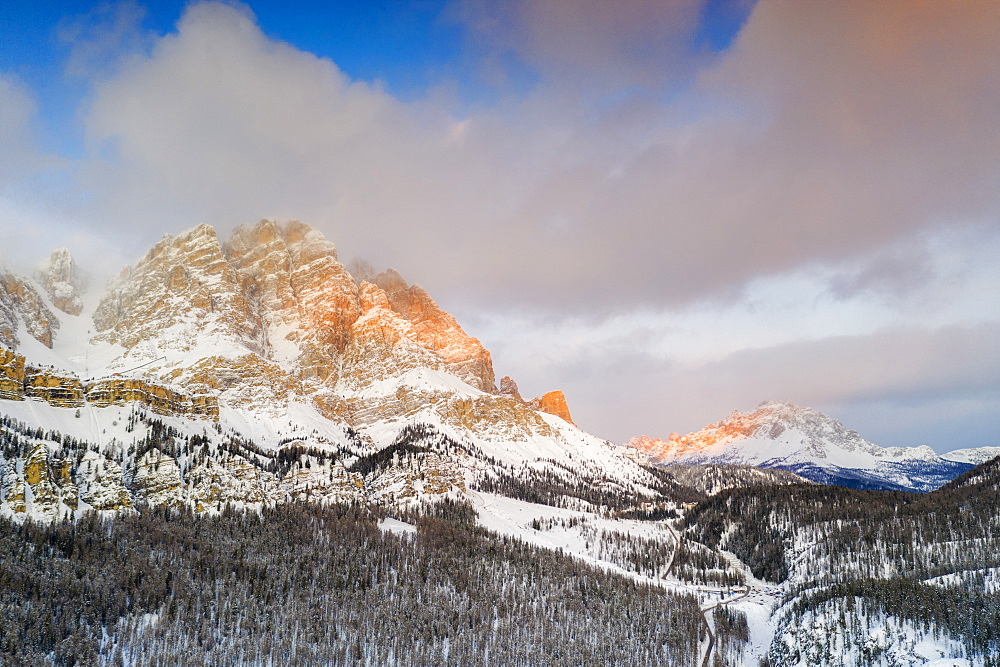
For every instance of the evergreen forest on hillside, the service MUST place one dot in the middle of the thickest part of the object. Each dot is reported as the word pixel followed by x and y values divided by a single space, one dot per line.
pixel 850 558
pixel 304 584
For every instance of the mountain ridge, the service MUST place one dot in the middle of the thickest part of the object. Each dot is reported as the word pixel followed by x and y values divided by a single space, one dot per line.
pixel 782 435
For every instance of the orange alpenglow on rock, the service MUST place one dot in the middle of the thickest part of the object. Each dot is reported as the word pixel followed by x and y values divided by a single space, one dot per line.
pixel 438 331
pixel 554 403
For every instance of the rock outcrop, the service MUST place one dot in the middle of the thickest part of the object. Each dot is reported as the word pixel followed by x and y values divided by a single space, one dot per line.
pixel 100 482
pixel 554 403
pixel 509 388
pixel 183 294
pixel 44 483
pixel 19 381
pixel 382 344
pixel 62 280
pixel 64 391
pixel 11 376
pixel 159 399
pixel 307 299
pixel 156 480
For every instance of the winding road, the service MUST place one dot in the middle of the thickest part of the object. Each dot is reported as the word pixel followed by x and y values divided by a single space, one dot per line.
pixel 704 610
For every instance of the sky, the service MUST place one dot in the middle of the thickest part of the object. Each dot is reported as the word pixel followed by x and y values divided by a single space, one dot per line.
pixel 670 210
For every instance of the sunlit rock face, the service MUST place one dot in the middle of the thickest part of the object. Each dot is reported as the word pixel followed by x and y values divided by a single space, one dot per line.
pixel 776 428
pixel 54 388
pixel 278 292
pixel 62 281
pixel 21 304
pixel 554 403
pixel 19 381
pixel 437 330
pixel 161 400
pixel 307 299
pixel 183 294
pixel 382 344
pixel 11 375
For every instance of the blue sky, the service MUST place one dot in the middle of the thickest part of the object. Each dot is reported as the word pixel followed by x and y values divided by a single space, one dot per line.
pixel 668 209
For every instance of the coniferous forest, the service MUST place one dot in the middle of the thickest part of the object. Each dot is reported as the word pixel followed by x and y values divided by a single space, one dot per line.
pixel 304 584
pixel 850 559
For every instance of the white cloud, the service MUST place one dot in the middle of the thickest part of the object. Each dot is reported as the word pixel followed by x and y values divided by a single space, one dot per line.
pixel 17 145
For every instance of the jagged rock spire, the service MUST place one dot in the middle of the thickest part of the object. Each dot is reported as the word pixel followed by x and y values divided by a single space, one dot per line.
pixel 63 281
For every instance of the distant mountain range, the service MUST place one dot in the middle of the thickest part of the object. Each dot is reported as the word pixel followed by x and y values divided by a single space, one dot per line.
pixel 788 437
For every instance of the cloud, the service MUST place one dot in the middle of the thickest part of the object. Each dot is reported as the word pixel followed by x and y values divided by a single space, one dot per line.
pixel 796 146
pixel 17 145
pixel 801 337
pixel 98 39
pixel 25 170
pixel 221 124
pixel 591 45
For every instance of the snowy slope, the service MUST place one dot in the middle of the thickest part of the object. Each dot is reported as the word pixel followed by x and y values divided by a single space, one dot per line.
pixel 975 456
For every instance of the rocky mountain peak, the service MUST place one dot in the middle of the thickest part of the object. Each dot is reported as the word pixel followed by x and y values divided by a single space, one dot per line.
pixel 307 299
pixel 63 281
pixel 182 293
pixel 270 317
pixel 805 441
pixel 391 281
pixel 439 331
pixel 772 421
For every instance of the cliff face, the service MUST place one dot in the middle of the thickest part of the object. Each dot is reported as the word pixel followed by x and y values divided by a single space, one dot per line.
pixel 434 329
pixel 183 295
pixel 11 376
pixel 21 304
pixel 307 300
pixel 19 381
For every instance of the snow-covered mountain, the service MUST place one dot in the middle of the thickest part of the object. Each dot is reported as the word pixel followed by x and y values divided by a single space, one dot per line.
pixel 811 444
pixel 253 346
pixel 975 455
